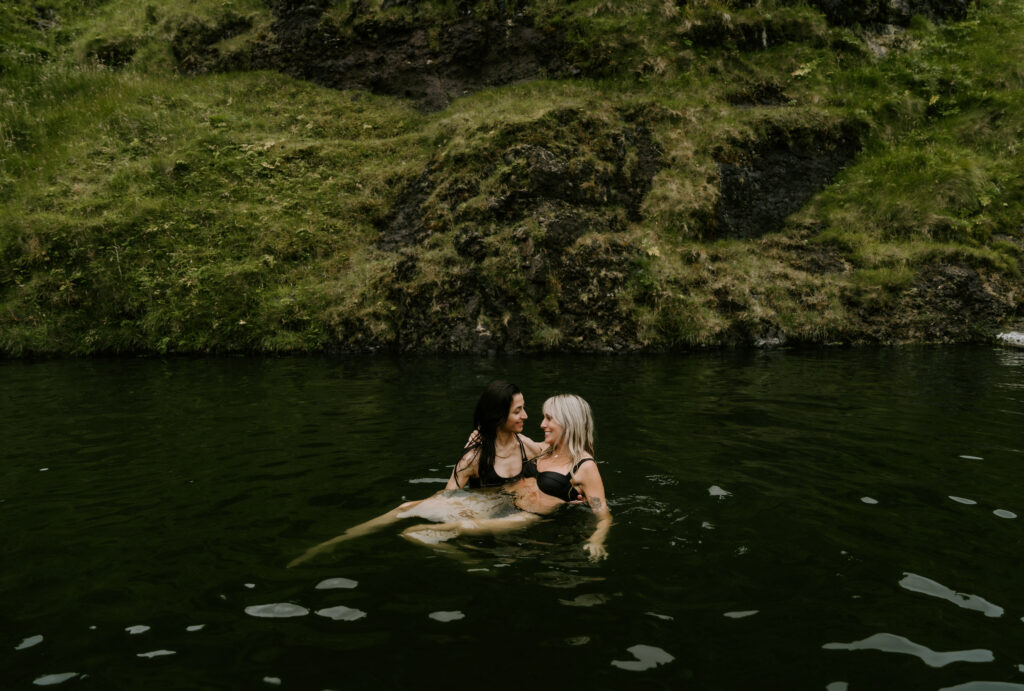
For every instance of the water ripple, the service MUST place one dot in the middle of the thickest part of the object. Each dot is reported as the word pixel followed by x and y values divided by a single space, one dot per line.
pixel 277 610
pixel 890 643
pixel 920 584
pixel 647 657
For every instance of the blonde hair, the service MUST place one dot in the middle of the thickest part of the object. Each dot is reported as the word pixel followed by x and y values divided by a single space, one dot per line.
pixel 573 414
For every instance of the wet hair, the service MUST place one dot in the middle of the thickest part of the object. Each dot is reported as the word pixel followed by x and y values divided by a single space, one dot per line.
pixel 491 411
pixel 573 414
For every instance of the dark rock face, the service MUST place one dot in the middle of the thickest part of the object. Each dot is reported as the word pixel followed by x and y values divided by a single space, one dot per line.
pixel 568 171
pixel 949 301
pixel 764 181
pixel 405 61
pixel 194 42
pixel 533 213
pixel 429 64
pixel 875 12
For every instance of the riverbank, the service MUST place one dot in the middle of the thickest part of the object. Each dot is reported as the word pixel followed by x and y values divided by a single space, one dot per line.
pixel 513 176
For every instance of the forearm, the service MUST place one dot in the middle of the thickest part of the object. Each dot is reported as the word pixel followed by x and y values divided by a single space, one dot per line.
pixel 604 524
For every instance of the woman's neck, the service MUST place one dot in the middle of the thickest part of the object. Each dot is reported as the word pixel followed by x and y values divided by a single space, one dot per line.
pixel 504 438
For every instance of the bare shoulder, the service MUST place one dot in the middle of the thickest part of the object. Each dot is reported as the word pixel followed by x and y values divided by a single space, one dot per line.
pixel 587 470
pixel 532 447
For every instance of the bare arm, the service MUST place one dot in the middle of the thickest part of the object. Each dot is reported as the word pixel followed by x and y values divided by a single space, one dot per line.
pixel 588 479
pixel 466 468
pixel 533 449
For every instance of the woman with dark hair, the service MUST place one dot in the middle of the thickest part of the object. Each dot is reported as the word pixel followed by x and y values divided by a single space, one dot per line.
pixel 496 450
pixel 493 456
pixel 564 473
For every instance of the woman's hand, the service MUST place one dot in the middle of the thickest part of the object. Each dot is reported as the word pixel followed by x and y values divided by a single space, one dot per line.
pixel 595 550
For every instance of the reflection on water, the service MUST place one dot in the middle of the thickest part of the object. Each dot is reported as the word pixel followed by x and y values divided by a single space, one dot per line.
pixel 887 642
pixel 774 512
pixel 920 584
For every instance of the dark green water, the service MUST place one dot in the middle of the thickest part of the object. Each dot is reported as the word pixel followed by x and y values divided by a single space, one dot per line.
pixel 768 506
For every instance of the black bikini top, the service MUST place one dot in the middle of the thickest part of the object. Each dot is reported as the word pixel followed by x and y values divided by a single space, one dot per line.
pixel 553 483
pixel 489 476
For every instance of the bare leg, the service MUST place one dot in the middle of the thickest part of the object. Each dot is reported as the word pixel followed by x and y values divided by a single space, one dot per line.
pixel 433 533
pixel 370 526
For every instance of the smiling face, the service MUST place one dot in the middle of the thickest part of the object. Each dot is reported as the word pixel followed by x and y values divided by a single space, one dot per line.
pixel 516 415
pixel 552 430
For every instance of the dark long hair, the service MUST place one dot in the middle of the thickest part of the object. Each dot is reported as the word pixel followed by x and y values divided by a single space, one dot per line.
pixel 490 413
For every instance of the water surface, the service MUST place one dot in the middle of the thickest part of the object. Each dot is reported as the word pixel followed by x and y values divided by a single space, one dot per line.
pixel 839 519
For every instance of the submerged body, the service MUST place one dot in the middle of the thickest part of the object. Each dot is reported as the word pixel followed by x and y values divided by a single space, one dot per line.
pixel 525 490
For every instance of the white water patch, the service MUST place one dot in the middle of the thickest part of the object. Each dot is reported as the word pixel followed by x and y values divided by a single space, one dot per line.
pixel 961 500
pixel 51 679
pixel 587 600
pixel 577 640
pixel 663 617
pixel 869 500
pixel 716 491
pixel 137 629
pixel 984 686
pixel 194 628
pixel 920 584
pixel 741 614
pixel 647 657
pixel 428 481
pixel 972 458
pixel 331 583
pixel 156 653
pixel 341 613
pixel 890 643
pixel 276 610
pixel 273 681
pixel 707 526
pixel 29 642
pixel 837 686
pixel 1003 513
pixel 447 616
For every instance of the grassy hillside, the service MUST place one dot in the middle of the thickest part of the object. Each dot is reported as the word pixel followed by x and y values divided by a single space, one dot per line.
pixel 227 177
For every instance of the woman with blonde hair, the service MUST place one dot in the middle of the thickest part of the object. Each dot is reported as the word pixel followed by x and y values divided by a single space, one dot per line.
pixel 564 473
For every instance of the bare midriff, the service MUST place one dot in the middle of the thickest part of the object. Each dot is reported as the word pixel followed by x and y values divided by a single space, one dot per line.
pixel 528 497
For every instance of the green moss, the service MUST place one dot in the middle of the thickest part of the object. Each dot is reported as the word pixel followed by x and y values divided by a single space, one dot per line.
pixel 145 210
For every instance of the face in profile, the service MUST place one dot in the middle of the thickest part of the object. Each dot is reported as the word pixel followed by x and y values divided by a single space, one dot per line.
pixel 552 429
pixel 516 415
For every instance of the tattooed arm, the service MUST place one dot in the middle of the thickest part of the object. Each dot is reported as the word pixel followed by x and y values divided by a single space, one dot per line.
pixel 588 478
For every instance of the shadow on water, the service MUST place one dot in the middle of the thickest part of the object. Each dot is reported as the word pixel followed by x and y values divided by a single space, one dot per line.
pixel 782 519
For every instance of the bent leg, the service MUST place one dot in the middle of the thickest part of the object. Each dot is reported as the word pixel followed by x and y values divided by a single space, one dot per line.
pixel 370 526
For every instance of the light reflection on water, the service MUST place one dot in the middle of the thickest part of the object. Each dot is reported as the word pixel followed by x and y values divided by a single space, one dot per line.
pixel 153 545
